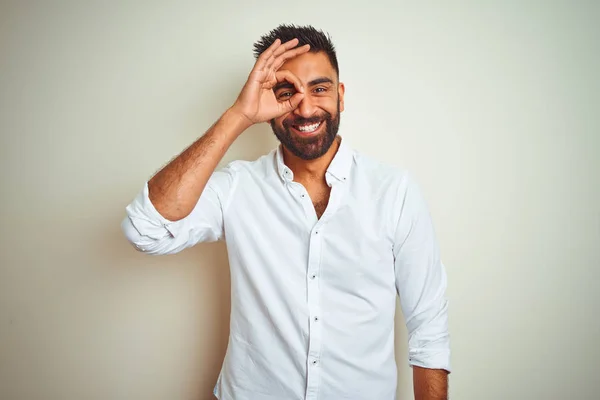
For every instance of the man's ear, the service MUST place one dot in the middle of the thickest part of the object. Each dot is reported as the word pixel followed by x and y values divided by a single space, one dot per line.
pixel 341 90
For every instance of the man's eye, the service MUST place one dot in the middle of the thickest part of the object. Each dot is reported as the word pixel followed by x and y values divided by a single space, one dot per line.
pixel 285 94
pixel 320 90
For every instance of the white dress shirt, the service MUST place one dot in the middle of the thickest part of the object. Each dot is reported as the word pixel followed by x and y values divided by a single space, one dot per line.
pixel 313 300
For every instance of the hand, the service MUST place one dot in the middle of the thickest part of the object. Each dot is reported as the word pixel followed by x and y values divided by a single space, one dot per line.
pixel 257 101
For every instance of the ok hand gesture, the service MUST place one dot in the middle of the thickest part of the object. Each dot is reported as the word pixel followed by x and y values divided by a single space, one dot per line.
pixel 257 101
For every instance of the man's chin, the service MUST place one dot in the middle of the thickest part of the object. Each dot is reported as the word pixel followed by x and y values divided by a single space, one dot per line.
pixel 310 148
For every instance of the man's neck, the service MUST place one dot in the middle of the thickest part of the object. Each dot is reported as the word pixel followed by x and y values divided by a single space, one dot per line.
pixel 311 170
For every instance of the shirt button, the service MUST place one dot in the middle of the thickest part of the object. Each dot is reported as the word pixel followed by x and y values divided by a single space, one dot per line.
pixel 313 276
pixel 314 362
pixel 316 319
pixel 302 195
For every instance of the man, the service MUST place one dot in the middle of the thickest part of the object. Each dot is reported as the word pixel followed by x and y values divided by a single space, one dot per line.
pixel 320 240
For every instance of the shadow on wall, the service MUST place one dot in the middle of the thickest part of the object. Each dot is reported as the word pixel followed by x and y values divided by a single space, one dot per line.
pixel 163 316
pixel 189 292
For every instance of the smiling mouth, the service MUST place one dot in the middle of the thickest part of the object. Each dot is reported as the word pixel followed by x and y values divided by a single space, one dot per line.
pixel 308 129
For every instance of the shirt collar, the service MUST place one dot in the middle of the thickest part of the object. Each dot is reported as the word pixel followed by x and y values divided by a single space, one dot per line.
pixel 339 167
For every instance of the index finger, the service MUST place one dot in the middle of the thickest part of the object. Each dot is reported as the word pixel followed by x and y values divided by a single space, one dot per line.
pixel 288 76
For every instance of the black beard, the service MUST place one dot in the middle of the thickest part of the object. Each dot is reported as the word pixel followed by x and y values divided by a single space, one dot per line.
pixel 313 147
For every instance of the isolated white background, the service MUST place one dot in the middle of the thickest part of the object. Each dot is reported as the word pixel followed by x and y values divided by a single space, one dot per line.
pixel 494 106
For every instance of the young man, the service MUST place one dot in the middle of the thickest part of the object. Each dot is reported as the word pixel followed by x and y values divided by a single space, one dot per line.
pixel 320 240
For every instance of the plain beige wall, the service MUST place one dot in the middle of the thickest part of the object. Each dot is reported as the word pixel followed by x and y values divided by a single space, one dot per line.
pixel 495 108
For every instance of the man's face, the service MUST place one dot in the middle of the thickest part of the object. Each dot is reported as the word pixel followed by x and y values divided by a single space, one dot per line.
pixel 309 131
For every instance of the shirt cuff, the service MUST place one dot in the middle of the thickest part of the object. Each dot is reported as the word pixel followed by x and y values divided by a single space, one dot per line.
pixel 433 354
pixel 149 222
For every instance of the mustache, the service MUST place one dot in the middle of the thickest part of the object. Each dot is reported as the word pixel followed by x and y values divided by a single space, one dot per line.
pixel 306 121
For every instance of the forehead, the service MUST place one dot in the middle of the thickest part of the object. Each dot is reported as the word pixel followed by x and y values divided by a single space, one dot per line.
pixel 310 65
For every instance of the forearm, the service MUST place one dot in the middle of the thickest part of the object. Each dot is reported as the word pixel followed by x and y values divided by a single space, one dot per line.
pixel 175 189
pixel 430 384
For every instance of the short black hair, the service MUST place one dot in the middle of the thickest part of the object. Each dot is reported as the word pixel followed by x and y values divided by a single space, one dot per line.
pixel 318 40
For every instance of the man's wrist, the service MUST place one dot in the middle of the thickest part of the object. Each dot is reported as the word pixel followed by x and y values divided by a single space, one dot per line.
pixel 239 120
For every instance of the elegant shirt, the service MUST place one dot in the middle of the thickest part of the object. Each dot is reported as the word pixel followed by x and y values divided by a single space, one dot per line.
pixel 313 300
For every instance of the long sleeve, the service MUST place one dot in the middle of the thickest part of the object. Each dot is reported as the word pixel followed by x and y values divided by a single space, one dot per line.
pixel 151 233
pixel 421 281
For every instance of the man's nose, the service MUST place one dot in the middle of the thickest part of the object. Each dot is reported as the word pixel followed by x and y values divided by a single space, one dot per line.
pixel 306 108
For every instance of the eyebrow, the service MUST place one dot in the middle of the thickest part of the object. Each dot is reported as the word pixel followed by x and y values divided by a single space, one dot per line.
pixel 288 85
pixel 320 80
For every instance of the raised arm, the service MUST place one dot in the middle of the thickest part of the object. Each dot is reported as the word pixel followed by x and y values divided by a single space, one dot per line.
pixel 175 190
pixel 181 205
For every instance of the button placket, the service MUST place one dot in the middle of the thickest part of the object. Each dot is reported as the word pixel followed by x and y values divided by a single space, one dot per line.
pixel 314 309
pixel 315 240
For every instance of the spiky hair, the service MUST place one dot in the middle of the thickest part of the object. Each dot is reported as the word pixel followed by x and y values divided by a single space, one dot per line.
pixel 318 40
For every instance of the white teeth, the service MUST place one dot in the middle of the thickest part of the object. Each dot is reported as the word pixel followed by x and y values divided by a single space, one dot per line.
pixel 309 128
